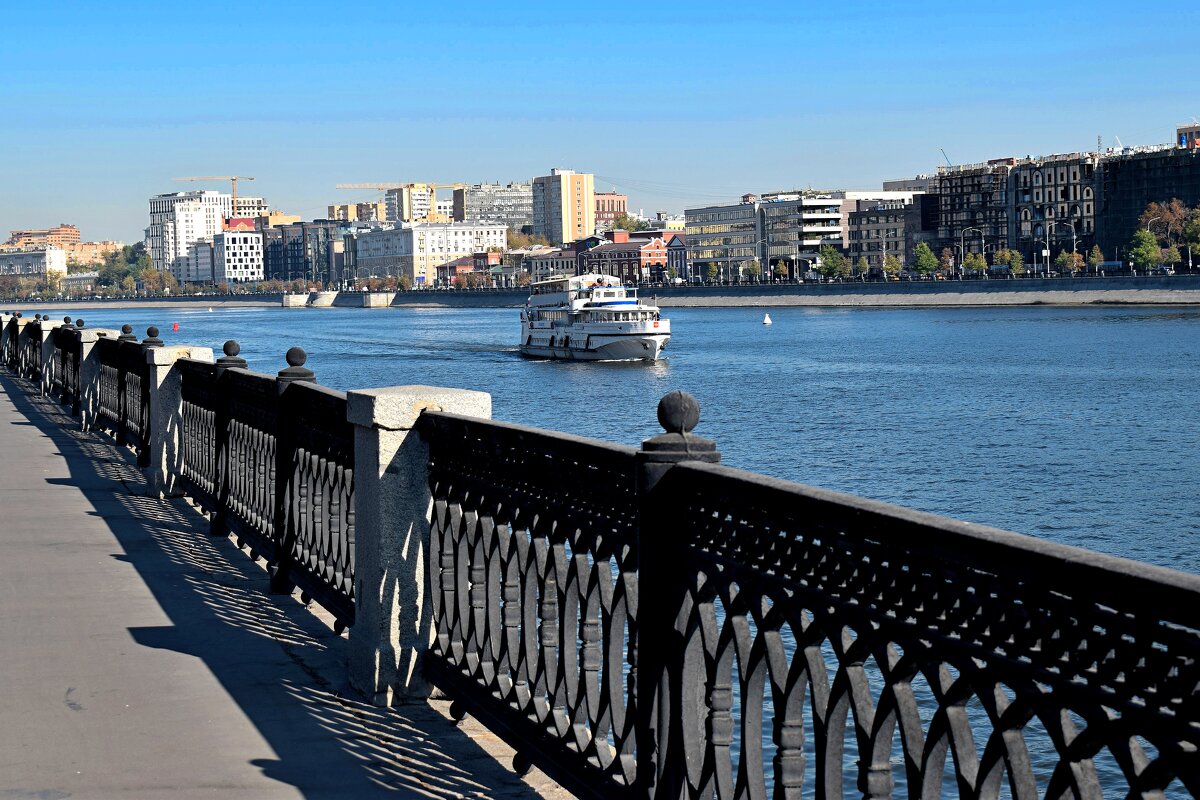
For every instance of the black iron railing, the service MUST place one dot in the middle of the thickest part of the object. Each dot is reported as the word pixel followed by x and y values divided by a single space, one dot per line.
pixel 533 576
pixel 9 354
pixel 30 356
pixel 64 364
pixel 241 432
pixel 124 390
pixel 760 638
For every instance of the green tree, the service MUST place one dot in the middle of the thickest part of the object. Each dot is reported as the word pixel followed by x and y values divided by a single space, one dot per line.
pixel 1095 257
pixel 520 241
pixel 1144 251
pixel 892 265
pixel 751 270
pixel 833 263
pixel 672 273
pixel 711 272
pixel 624 222
pixel 863 266
pixel 924 261
pixel 1016 262
pixel 1172 256
pixel 781 269
pixel 1064 261
pixel 975 262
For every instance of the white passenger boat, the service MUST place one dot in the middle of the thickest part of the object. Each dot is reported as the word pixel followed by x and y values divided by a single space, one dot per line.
pixel 591 318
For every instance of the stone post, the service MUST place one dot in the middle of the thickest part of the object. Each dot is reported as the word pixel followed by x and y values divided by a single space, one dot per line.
pixel 392 505
pixel 166 414
pixel 47 354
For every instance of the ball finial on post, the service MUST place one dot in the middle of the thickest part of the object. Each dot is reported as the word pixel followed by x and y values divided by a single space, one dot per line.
pixel 152 339
pixel 295 370
pixel 678 412
pixel 126 334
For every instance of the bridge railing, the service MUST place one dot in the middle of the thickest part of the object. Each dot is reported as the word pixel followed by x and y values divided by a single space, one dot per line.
pixel 648 623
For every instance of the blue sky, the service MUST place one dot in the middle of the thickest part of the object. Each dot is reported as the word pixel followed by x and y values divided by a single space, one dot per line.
pixel 676 103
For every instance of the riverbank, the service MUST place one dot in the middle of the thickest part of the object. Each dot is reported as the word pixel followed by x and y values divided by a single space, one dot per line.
pixel 1164 290
pixel 1139 291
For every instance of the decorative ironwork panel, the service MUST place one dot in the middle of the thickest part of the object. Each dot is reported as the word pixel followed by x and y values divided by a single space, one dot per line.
pixel 31 352
pixel 135 402
pixel 198 438
pixel 111 390
pixel 250 455
pixel 828 645
pixel 9 356
pixel 320 496
pixel 533 577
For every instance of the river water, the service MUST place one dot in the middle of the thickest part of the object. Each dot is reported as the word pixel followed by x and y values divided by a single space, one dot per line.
pixel 1080 425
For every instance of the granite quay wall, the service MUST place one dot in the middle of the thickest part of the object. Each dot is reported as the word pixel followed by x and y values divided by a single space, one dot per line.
pixel 612 612
pixel 1168 290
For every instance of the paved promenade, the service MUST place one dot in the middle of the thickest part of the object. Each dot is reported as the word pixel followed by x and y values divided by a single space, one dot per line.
pixel 140 658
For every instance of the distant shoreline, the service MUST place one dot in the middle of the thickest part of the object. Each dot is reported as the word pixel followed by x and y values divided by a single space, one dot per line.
pixel 1181 290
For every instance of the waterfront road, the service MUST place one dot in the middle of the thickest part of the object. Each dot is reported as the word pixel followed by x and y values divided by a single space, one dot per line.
pixel 140 658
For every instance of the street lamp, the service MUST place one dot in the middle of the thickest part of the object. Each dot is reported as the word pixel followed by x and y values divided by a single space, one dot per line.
pixel 962 238
pixel 1074 242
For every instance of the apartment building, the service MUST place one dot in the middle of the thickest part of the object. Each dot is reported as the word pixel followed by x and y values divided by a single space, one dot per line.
pixel 413 202
pixel 237 257
pixel 609 206
pixel 61 236
pixel 415 251
pixel 880 228
pixel 564 205
pixel 1130 179
pixel 358 212
pixel 33 262
pixel 179 219
pixel 496 204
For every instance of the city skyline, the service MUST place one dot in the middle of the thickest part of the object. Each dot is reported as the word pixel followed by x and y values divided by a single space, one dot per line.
pixel 114 102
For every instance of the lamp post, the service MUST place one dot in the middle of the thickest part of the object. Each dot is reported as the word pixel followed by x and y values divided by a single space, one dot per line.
pixel 1074 242
pixel 1035 253
pixel 962 238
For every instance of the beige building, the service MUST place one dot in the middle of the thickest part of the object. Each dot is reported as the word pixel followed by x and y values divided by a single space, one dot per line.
pixel 415 251
pixel 358 212
pixel 564 205
pixel 61 236
pixel 91 252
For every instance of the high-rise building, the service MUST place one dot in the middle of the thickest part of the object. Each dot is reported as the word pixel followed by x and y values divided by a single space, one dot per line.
pixel 237 257
pixel 1131 179
pixel 609 206
pixel 180 218
pixel 358 212
pixel 720 238
pixel 496 204
pixel 1053 205
pixel 300 251
pixel 564 205
pixel 974 206
pixel 251 207
pixel 413 202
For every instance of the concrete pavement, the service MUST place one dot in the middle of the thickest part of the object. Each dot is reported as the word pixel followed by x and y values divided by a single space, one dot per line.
pixel 140 658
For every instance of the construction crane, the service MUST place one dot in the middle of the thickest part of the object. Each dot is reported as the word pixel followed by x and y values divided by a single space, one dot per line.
pixel 231 178
pixel 948 164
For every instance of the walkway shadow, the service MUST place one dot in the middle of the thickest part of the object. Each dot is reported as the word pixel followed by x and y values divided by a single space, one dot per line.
pixel 282 664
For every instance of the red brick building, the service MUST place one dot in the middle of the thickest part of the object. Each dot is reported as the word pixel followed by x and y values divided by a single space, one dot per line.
pixel 633 260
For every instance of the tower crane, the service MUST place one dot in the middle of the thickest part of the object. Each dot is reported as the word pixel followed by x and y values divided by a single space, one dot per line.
pixel 233 179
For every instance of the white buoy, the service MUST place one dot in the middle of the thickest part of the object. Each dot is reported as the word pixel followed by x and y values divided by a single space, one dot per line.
pixel 210 309
pixel 766 319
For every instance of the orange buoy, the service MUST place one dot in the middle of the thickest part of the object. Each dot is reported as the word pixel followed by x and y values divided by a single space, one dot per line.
pixel 174 326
